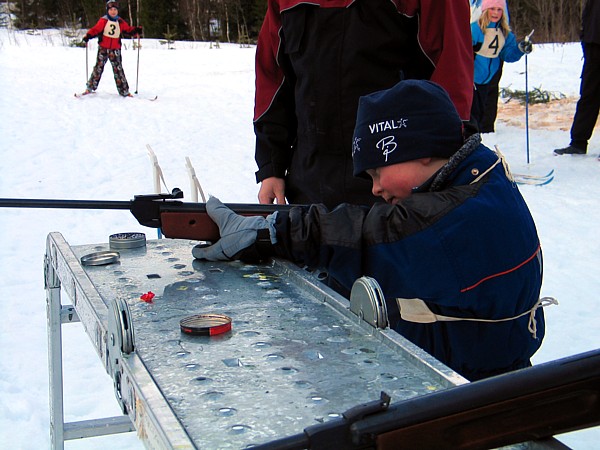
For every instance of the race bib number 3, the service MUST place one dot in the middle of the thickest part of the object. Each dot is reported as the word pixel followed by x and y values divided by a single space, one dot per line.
pixel 112 29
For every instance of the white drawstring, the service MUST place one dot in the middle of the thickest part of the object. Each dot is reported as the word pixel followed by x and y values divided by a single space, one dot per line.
pixel 416 310
pixel 545 301
pixel 504 164
pixel 501 159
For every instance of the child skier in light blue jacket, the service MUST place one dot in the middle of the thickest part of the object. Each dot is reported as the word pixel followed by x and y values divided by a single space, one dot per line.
pixel 493 42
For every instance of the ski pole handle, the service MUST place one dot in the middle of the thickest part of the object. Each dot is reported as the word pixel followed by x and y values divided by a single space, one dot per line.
pixel 528 37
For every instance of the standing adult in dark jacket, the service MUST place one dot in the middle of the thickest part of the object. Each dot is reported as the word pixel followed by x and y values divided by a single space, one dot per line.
pixel 454 248
pixel 315 59
pixel 588 106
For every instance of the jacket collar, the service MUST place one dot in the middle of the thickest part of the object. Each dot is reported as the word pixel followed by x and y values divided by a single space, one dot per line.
pixel 449 172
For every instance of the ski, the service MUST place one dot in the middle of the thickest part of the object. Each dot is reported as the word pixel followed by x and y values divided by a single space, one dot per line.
pixel 527 176
pixel 533 181
pixel 151 99
pixel 83 94
pixel 536 180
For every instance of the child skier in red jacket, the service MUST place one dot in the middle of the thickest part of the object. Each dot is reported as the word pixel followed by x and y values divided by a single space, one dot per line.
pixel 109 29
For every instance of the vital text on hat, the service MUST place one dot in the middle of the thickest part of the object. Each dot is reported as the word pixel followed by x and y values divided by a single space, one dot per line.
pixel 387 125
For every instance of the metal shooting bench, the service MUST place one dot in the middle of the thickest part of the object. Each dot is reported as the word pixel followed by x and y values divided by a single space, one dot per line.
pixel 298 354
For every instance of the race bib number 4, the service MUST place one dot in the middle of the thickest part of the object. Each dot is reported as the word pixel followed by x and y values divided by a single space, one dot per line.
pixel 493 42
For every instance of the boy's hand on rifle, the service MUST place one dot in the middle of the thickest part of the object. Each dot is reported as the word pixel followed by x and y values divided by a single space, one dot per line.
pixel 249 239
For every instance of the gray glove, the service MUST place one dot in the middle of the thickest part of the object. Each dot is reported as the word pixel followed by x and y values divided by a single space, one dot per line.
pixel 238 233
pixel 526 46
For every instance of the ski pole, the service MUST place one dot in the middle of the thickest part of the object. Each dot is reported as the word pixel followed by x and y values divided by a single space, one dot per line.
pixel 86 64
pixel 137 77
pixel 526 110
pixel 527 99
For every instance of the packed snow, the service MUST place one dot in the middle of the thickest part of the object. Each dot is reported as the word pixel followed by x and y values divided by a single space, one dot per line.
pixel 58 146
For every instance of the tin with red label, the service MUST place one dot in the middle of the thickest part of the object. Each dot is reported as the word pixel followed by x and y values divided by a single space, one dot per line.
pixel 206 324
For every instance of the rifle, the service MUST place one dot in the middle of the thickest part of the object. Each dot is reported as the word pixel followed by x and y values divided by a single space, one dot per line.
pixel 529 404
pixel 176 219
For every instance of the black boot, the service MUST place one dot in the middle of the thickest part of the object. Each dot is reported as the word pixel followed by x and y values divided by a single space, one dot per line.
pixel 570 150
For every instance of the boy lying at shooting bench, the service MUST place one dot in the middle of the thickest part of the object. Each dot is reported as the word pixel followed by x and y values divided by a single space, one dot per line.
pixel 454 247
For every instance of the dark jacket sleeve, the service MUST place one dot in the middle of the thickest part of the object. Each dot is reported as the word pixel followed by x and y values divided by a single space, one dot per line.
pixel 445 36
pixel 274 116
pixel 275 133
pixel 590 23
pixel 351 240
pixel 319 238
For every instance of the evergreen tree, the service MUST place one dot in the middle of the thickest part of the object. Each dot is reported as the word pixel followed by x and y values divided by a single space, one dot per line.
pixel 553 20
pixel 156 15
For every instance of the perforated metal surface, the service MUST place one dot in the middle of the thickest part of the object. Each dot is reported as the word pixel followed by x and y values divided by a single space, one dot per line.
pixel 295 356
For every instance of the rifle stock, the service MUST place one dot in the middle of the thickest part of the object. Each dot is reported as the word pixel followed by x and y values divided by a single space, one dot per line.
pixel 191 221
pixel 176 219
pixel 529 404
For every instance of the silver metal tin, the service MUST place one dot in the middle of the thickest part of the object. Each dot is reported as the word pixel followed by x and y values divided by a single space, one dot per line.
pixel 127 240
pixel 206 324
pixel 368 303
pixel 100 258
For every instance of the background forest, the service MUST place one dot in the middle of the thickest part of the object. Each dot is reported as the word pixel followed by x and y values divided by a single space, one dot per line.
pixel 554 21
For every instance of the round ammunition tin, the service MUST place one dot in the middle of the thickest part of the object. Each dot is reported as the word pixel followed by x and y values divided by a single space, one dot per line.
pixel 127 240
pixel 367 302
pixel 100 258
pixel 206 324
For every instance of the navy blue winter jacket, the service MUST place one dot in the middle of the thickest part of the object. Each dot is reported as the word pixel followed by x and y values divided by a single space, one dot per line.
pixel 464 242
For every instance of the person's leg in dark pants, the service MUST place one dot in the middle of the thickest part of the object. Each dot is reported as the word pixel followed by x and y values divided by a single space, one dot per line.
pixel 477 108
pixel 490 108
pixel 588 106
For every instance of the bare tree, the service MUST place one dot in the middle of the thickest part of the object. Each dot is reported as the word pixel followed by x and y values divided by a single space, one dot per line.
pixel 239 20
pixel 553 20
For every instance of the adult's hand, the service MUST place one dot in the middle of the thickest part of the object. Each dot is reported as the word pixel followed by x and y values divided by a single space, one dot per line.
pixel 272 190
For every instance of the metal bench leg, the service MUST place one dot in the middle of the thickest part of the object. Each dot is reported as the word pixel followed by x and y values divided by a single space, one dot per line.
pixel 53 314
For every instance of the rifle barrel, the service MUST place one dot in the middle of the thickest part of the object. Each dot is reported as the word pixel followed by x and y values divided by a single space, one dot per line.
pixel 63 204
pixel 176 219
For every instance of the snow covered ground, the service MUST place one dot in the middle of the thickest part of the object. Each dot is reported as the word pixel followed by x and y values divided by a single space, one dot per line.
pixel 56 146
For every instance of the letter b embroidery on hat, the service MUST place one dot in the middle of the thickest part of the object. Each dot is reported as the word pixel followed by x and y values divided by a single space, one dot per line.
pixel 387 145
